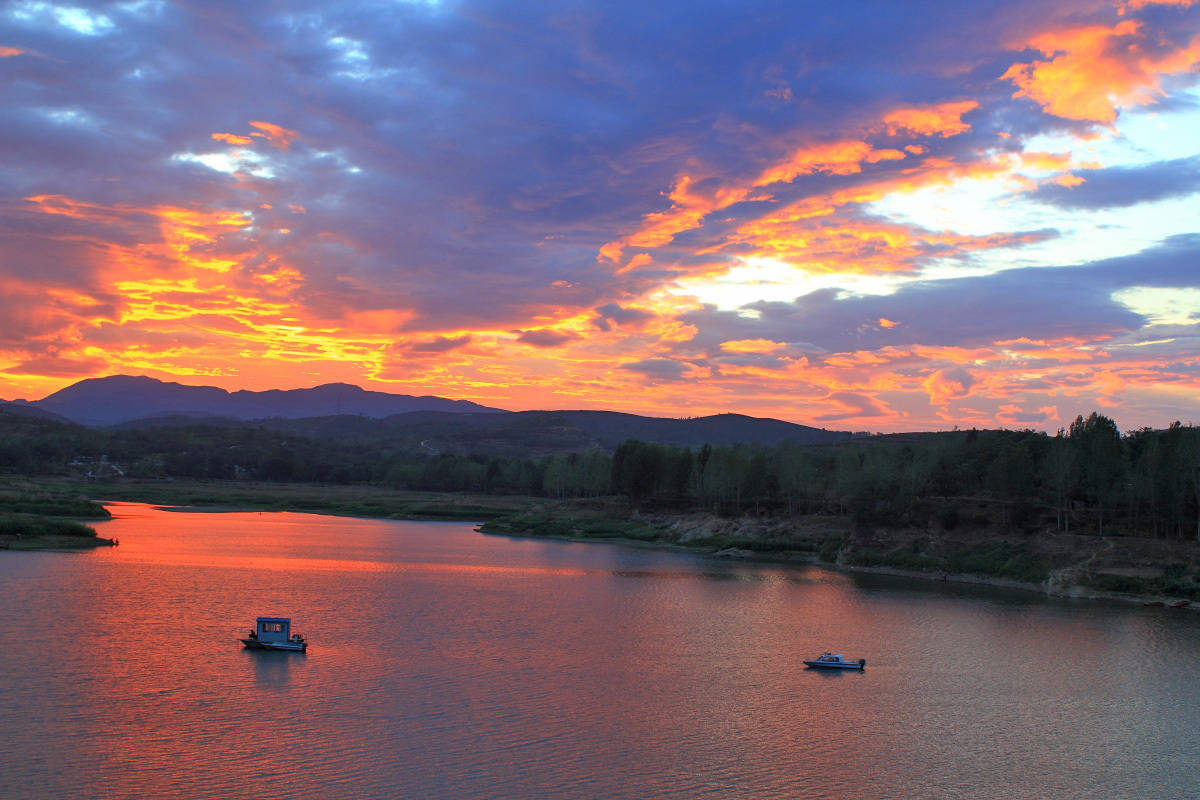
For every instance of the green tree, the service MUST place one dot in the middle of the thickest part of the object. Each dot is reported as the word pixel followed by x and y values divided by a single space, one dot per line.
pixel 1098 448
pixel 1059 470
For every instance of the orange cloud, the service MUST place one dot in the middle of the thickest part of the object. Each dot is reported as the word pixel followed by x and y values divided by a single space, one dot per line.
pixel 822 233
pixel 689 206
pixel 1092 72
pixel 752 346
pixel 184 283
pixel 943 120
pixel 1068 180
pixel 1139 4
pixel 639 260
pixel 690 203
pixel 276 136
pixel 1045 162
pixel 836 242
pixel 382 320
pixel 232 138
pixel 887 154
pixel 835 158
pixel 946 384
pixel 9 52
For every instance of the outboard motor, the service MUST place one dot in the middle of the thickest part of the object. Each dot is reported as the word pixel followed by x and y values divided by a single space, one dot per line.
pixel 862 662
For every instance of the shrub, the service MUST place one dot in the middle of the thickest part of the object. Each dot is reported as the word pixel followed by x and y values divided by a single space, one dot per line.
pixel 829 550
pixel 1000 559
pixel 907 556
pixel 1122 583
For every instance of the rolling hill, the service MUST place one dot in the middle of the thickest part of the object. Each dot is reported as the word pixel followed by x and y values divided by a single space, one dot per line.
pixel 537 433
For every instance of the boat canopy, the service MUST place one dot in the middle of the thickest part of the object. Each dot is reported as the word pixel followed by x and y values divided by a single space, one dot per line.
pixel 274 629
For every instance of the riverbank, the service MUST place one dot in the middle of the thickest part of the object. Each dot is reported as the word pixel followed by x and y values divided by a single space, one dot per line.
pixel 33 532
pixel 1126 569
pixel 34 518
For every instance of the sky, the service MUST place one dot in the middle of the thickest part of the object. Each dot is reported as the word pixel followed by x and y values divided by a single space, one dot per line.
pixel 862 216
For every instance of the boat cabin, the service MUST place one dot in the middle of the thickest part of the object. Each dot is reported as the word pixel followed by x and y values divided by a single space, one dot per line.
pixel 273 629
pixel 275 633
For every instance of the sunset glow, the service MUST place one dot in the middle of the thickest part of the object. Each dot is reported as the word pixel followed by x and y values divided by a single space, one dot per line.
pixel 869 222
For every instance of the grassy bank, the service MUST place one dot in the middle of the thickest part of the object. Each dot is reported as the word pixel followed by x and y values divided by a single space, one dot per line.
pixel 33 532
pixel 34 517
pixel 24 498
pixel 567 522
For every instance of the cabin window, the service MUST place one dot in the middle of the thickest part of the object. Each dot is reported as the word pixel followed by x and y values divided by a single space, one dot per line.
pixel 269 627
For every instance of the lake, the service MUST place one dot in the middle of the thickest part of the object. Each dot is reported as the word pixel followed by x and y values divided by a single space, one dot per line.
pixel 448 664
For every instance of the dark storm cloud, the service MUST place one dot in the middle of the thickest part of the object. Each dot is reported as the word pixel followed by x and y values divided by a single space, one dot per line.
pixel 1120 187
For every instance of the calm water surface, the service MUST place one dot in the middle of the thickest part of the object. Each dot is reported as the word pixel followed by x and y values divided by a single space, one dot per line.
pixel 447 664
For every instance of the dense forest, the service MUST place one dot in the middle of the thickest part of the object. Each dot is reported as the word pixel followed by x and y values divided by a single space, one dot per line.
pixel 1088 478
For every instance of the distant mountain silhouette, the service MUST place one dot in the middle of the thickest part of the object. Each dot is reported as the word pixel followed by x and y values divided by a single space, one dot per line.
pixel 428 424
pixel 540 433
pixel 122 398
pixel 24 409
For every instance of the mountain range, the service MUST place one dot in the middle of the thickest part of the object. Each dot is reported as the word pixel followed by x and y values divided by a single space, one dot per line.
pixel 430 424
pixel 540 433
pixel 123 398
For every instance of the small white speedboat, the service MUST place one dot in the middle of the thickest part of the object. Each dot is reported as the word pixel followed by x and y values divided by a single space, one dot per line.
pixel 275 633
pixel 835 661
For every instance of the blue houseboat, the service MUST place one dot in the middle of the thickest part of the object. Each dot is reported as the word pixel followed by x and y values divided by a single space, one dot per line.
pixel 275 633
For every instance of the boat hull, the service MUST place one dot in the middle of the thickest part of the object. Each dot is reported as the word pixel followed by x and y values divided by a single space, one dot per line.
pixel 287 647
pixel 854 665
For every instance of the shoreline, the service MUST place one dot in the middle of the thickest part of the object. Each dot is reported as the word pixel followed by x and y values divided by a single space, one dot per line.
pixel 220 509
pixel 54 543
pixel 801 559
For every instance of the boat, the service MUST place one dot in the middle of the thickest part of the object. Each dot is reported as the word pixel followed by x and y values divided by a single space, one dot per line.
pixel 275 633
pixel 835 661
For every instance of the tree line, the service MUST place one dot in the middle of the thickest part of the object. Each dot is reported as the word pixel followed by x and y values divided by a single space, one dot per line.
pixel 1086 479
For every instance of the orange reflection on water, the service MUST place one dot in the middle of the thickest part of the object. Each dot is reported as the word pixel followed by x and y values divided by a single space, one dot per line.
pixel 178 537
pixel 295 563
